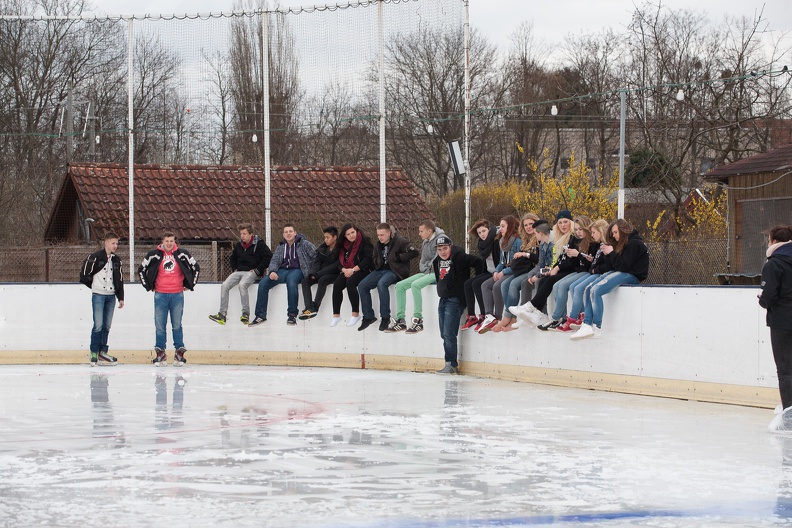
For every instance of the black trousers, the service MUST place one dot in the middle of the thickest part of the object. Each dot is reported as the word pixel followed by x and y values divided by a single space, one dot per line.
pixel 341 283
pixel 781 341
pixel 473 293
pixel 546 288
pixel 322 283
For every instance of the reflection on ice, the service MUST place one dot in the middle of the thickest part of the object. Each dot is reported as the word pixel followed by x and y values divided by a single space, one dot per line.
pixel 231 446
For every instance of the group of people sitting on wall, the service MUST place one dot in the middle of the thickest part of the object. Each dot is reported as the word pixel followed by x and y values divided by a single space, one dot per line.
pixel 529 260
pixel 520 264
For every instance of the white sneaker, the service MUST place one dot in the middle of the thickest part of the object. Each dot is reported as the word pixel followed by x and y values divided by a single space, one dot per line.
pixel 353 320
pixel 585 330
pixel 519 324
pixel 597 331
pixel 487 321
pixel 334 321
pixel 541 319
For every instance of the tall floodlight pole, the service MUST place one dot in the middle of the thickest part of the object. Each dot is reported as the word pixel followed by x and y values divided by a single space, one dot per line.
pixel 467 122
pixel 131 136
pixel 622 124
pixel 266 109
pixel 383 181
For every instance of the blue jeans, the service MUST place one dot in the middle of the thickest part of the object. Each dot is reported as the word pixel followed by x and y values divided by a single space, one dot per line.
pixel 510 288
pixel 561 292
pixel 382 280
pixel 596 290
pixel 578 290
pixel 103 307
pixel 164 304
pixel 292 278
pixel 449 313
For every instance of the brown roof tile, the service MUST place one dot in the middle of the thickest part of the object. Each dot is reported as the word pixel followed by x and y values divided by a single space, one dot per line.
pixel 206 202
pixel 779 159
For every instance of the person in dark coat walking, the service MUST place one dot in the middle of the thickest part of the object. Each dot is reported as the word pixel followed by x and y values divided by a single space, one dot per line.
pixel 452 268
pixel 776 297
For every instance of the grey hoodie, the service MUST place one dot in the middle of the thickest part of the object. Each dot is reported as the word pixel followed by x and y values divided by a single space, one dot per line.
pixel 429 252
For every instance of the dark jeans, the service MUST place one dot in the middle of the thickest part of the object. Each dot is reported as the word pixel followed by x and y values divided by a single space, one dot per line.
pixel 341 283
pixel 781 341
pixel 382 280
pixel 473 293
pixel 449 313
pixel 292 278
pixel 103 306
pixel 322 283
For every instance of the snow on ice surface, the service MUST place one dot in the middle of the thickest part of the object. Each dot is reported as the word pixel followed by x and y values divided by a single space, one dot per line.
pixel 255 446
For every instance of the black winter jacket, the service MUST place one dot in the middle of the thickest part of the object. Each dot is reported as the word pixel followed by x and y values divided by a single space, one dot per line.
pixel 149 268
pixel 776 294
pixel 364 256
pixel 399 256
pixel 257 256
pixel 634 258
pixel 326 262
pixel 95 263
pixel 451 279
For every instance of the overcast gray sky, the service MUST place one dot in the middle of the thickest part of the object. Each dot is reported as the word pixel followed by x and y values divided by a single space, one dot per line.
pixel 497 19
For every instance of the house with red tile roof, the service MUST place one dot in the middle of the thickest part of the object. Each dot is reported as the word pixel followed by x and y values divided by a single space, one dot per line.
pixel 760 196
pixel 204 204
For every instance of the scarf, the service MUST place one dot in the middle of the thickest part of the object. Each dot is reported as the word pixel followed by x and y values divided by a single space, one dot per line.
pixel 771 249
pixel 347 258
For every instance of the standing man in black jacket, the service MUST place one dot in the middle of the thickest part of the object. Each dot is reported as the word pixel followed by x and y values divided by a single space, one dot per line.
pixel 168 270
pixel 101 272
pixel 392 255
pixel 452 268
pixel 250 258
pixel 323 272
pixel 776 297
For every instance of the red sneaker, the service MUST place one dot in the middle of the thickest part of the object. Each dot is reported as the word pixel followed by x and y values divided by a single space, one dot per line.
pixel 575 324
pixel 472 321
pixel 566 327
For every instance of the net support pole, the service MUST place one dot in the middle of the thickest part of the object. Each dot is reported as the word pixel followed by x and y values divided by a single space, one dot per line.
pixel 266 109
pixel 131 137
pixel 622 126
pixel 381 48
pixel 467 122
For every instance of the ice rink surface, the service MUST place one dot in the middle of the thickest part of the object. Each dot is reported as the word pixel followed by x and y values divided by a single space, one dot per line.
pixel 211 446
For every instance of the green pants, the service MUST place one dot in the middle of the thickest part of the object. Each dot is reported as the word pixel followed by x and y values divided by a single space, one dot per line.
pixel 415 283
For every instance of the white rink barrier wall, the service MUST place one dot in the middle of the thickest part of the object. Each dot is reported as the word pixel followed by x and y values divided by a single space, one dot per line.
pixel 701 343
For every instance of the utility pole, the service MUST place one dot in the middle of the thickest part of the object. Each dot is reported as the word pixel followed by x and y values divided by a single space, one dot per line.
pixel 69 123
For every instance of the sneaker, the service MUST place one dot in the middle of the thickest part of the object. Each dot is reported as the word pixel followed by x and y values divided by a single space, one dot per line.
pixel 488 324
pixel 574 324
pixel 416 326
pixel 552 325
pixel 448 369
pixel 107 359
pixel 480 323
pixel 385 323
pixel 245 319
pixel 523 311
pixel 219 318
pixel 334 321
pixel 355 319
pixel 566 326
pixel 307 314
pixel 597 331
pixel 178 357
pixel 95 358
pixel 366 323
pixel 161 360
pixel 583 332
pixel 257 321
pixel 398 325
pixel 291 320
pixel 519 323
pixel 471 321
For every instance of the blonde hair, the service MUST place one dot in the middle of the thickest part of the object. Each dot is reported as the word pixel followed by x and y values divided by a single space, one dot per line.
pixel 528 243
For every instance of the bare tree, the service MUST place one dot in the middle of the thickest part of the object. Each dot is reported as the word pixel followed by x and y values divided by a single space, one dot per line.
pixel 425 86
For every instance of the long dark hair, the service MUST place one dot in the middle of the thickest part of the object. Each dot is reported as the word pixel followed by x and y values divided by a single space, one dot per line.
pixel 512 229
pixel 625 230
